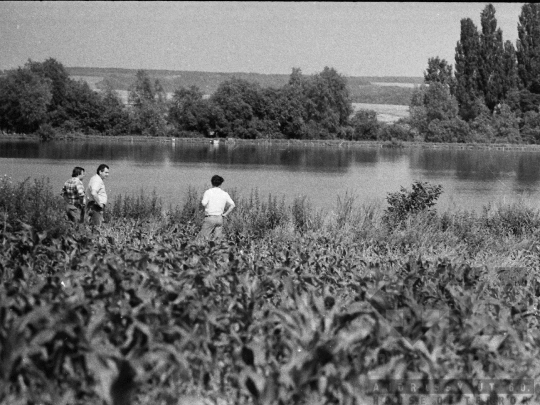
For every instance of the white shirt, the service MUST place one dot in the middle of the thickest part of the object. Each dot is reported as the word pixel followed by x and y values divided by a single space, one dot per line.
pixel 214 201
pixel 96 186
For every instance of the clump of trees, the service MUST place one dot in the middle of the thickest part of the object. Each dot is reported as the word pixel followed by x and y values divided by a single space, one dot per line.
pixel 493 92
pixel 148 101
pixel 306 107
pixel 40 97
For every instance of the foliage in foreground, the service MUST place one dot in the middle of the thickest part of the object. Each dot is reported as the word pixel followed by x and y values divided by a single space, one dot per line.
pixel 291 310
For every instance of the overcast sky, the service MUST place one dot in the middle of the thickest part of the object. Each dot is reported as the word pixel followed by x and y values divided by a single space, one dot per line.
pixel 356 38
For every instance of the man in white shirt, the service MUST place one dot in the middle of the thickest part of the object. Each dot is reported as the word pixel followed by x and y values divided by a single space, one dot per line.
pixel 96 196
pixel 214 202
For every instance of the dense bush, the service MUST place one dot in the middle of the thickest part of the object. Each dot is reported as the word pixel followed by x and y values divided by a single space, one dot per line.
pixel 454 130
pixel 404 203
pixel 365 125
pixel 396 132
pixel 530 130
pixel 46 132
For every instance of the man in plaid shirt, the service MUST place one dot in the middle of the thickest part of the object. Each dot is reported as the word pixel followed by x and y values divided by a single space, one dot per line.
pixel 73 193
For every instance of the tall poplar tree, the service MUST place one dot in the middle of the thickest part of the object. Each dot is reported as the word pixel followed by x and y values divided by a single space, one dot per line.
pixel 509 69
pixel 148 112
pixel 490 62
pixel 467 76
pixel 141 91
pixel 528 44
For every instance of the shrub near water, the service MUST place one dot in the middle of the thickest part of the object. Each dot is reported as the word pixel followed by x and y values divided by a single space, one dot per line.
pixel 139 314
pixel 421 197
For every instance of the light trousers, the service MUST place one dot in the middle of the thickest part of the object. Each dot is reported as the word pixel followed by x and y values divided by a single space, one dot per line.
pixel 212 227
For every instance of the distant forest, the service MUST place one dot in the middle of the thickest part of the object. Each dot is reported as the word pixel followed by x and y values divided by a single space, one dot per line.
pixel 490 95
pixel 361 89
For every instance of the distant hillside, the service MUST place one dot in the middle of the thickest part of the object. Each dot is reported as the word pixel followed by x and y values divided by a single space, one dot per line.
pixel 366 89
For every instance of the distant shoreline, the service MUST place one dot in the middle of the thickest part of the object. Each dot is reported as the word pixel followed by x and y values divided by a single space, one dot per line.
pixel 335 143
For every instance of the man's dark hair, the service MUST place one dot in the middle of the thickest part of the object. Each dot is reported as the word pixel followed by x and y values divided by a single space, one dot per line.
pixel 102 167
pixel 217 180
pixel 77 171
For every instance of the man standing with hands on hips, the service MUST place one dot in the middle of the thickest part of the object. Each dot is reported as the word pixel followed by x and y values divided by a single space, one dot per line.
pixel 96 196
pixel 214 202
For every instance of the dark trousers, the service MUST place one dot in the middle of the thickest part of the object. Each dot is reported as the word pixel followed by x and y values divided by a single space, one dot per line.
pixel 75 213
pixel 95 212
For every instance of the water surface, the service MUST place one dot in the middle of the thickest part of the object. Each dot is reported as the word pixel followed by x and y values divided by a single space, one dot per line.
pixel 471 179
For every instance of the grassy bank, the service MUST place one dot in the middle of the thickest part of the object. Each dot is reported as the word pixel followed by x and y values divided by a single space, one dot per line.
pixel 288 309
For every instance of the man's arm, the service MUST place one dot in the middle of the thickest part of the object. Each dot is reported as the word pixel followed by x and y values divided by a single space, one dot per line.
pixel 230 207
pixel 204 201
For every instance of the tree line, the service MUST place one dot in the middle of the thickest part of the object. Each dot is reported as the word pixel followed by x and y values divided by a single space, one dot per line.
pixel 491 95
pixel 40 97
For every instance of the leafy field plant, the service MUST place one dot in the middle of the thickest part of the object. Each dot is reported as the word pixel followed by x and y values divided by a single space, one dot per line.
pixel 140 312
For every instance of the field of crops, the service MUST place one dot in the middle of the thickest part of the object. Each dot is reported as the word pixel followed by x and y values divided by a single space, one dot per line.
pixel 294 306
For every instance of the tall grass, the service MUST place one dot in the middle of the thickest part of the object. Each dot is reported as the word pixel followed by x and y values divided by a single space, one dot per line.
pixel 139 206
pixel 257 216
pixel 31 202
pixel 304 217
pixel 498 228
pixel 513 219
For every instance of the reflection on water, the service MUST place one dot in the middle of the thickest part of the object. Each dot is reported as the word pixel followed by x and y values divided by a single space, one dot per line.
pixel 288 158
pixel 478 165
pixel 470 178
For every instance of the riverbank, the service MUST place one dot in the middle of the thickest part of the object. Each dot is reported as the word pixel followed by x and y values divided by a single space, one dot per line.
pixel 324 143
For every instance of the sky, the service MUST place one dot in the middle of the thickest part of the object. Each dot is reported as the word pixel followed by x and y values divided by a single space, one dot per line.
pixel 355 38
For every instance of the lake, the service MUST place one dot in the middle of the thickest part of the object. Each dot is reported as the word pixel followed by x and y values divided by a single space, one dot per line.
pixel 470 178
